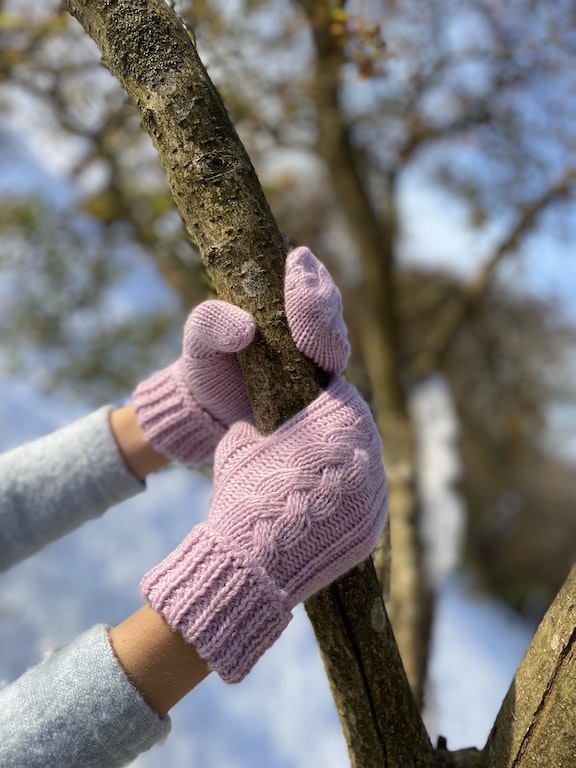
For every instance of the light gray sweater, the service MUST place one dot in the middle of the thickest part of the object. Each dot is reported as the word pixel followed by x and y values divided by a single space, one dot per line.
pixel 76 709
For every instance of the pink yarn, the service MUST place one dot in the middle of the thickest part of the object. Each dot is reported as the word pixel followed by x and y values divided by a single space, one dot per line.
pixel 186 408
pixel 291 512
pixel 314 311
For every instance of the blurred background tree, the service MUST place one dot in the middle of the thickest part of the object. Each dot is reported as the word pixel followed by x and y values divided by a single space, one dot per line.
pixel 350 112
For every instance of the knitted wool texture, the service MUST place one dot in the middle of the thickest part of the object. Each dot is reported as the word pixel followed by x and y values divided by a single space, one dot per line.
pixel 314 311
pixel 186 408
pixel 291 512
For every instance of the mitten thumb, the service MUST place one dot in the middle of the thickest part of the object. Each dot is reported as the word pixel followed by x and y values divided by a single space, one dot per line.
pixel 314 311
pixel 186 408
pixel 216 327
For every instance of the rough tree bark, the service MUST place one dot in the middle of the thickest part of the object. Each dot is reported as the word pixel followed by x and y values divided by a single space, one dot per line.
pixel 218 195
pixel 535 725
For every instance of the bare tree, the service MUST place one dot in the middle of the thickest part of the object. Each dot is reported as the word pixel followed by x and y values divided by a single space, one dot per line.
pixel 428 105
pixel 148 49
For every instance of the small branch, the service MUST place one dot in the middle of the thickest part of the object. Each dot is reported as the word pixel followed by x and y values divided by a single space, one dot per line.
pixel 459 310
pixel 462 758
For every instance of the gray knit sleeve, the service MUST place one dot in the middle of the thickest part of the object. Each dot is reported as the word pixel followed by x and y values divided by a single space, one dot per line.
pixel 77 709
pixel 52 485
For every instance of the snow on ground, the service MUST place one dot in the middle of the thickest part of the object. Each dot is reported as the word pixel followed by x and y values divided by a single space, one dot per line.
pixel 477 643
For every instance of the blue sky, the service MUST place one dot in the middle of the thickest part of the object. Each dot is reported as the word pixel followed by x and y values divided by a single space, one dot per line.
pixel 438 235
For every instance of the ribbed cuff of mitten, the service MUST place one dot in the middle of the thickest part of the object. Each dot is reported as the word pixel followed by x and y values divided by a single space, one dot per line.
pixel 172 421
pixel 221 602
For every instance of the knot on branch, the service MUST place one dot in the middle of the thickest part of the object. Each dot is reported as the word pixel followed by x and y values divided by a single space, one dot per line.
pixel 215 164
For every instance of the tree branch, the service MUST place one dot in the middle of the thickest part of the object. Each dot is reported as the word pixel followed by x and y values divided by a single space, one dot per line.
pixel 535 725
pixel 214 185
pixel 456 313
pixel 217 192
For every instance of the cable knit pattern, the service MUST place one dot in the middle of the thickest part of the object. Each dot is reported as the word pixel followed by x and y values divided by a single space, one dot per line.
pixel 292 512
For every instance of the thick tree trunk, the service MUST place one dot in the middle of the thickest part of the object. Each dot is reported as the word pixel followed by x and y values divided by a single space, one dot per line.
pixel 402 575
pixel 220 200
pixel 535 727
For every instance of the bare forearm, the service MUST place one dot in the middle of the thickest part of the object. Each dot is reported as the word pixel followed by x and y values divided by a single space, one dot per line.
pixel 141 459
pixel 162 666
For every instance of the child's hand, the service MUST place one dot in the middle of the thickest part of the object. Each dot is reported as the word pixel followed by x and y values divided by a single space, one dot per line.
pixel 186 408
pixel 291 512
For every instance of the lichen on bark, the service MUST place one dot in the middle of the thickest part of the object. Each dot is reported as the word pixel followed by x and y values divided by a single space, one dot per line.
pixel 214 185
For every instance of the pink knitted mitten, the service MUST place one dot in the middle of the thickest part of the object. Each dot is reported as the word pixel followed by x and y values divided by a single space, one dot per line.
pixel 186 408
pixel 314 311
pixel 291 512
